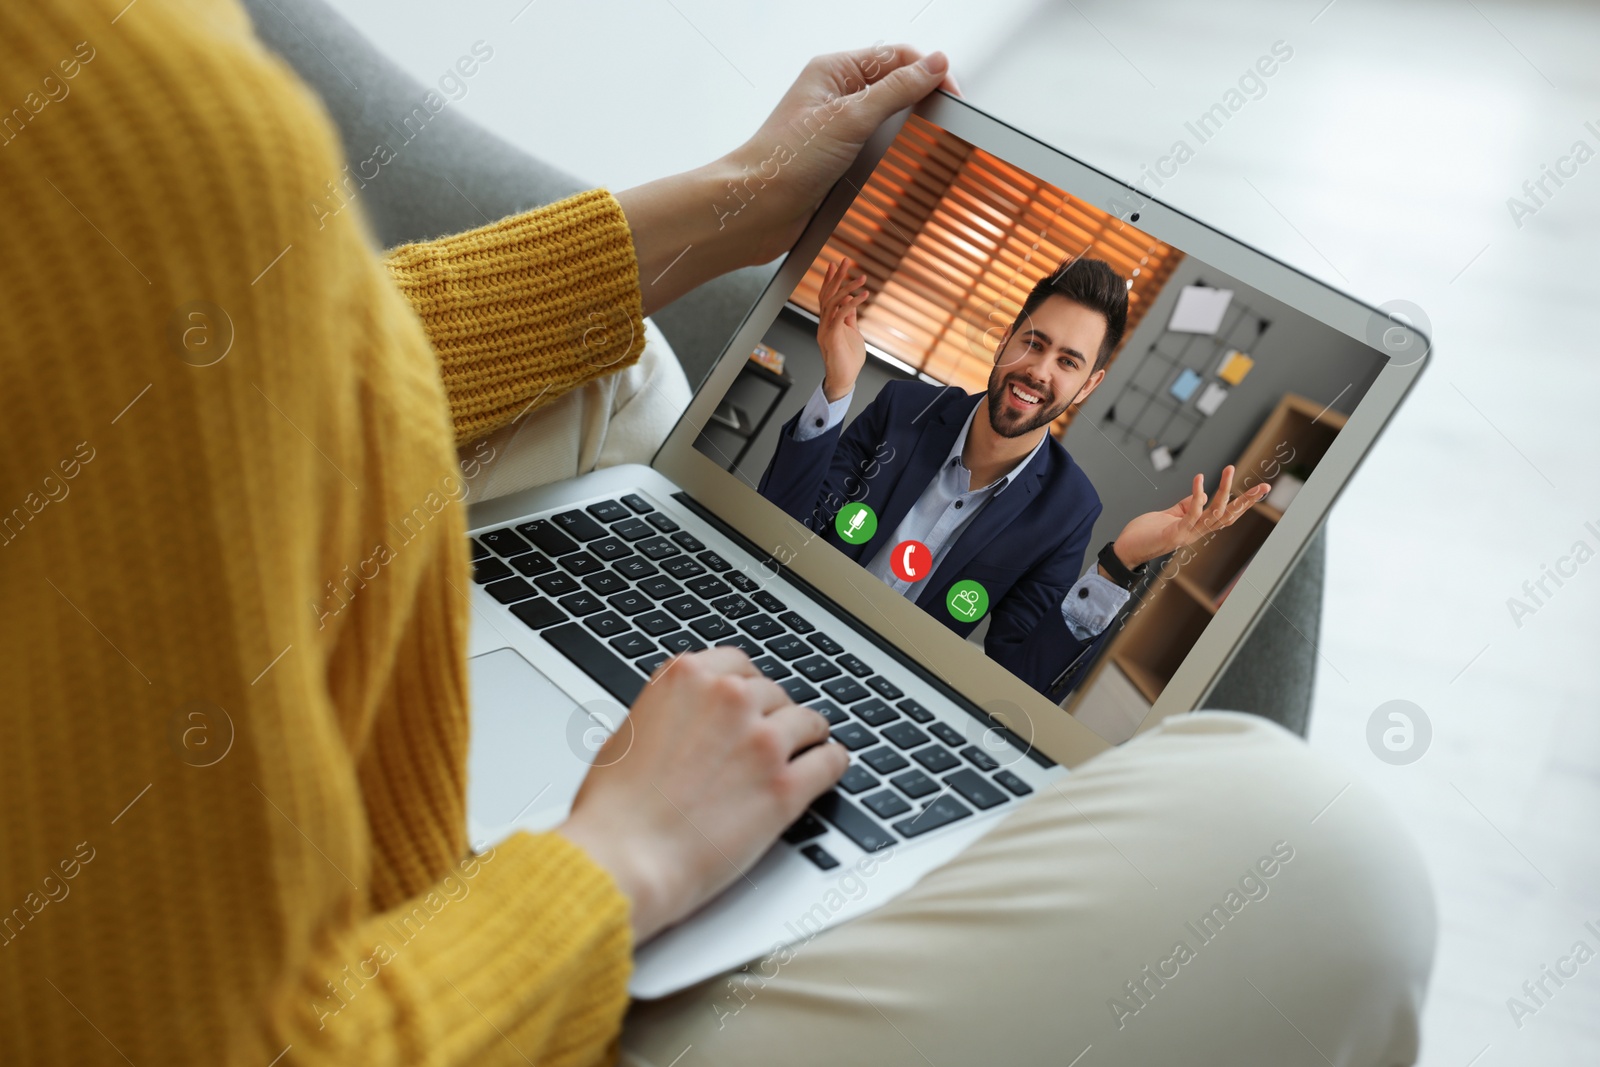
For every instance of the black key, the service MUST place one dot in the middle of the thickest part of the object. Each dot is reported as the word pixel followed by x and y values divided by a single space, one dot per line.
pixel 505 542
pixel 630 602
pixel 948 734
pixel 979 758
pixel 655 623
pixel 795 623
pixel 885 760
pixel 633 644
pixel 682 641
pixel 914 711
pixel 978 790
pixel 850 663
pixel 714 561
pixel 657 548
pixel 798 690
pixel 688 541
pixel 820 856
pixel 885 688
pixel 489 570
pixel 650 663
pixel 546 538
pixel 685 607
pixel 942 812
pixel 633 529
pixel 853 735
pixel 831 711
pixel 886 805
pixel 914 784
pixel 874 712
pixel 761 627
pixel 510 590
pixel 606 624
pixel 786 647
pixel 845 690
pixel 1013 783
pixel 768 601
pixel 772 668
pixel 742 582
pixel 817 668
pixel 744 644
pixel 610 548
pixel 712 627
pixel 557 583
pixel 661 522
pixel 533 564
pixel 636 568
pixel 580 603
pixel 708 587
pixel 856 779
pixel 733 606
pixel 682 567
pixel 577 524
pixel 826 645
pixel 904 735
pixel 804 828
pixel 638 503
pixel 580 563
pixel 539 613
pixel 659 588
pixel 607 511
pixel 605 583
pixel 936 759
pixel 596 660
pixel 851 821
pixel 478 551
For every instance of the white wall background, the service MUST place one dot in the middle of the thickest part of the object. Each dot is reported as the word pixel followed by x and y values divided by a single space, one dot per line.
pixel 1380 158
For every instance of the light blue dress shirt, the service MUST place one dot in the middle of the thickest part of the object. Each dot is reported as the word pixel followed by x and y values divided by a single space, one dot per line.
pixel 947 506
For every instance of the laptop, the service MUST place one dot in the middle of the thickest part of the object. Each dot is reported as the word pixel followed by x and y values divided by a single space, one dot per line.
pixel 585 587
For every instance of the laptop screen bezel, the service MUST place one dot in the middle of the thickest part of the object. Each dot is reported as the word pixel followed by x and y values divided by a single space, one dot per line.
pixel 957 662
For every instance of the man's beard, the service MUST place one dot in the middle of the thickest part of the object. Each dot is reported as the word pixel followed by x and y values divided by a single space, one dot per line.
pixel 1007 423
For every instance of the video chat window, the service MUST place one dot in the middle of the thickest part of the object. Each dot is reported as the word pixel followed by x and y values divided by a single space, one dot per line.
pixel 950 241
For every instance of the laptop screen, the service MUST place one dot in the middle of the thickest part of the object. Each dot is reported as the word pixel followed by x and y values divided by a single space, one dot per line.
pixel 1017 410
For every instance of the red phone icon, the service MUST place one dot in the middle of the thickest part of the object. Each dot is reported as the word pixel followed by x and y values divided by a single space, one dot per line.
pixel 911 561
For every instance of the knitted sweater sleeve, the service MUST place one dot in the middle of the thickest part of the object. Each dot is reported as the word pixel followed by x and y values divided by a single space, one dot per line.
pixel 233 650
pixel 522 310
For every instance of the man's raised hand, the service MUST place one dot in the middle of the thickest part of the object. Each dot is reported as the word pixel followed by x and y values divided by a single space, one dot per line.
pixel 1156 533
pixel 844 352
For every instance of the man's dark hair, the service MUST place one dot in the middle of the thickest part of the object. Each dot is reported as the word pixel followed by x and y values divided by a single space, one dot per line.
pixel 1092 283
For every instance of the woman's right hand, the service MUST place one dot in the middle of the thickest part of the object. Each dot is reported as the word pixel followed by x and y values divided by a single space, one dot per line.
pixel 711 764
pixel 844 352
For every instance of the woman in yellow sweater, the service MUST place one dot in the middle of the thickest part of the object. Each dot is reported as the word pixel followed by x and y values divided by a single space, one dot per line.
pixel 216 398
pixel 233 826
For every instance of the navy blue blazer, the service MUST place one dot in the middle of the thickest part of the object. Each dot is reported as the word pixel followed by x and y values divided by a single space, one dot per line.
pixel 1026 547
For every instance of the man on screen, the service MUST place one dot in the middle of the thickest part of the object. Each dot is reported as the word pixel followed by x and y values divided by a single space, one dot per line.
pixel 978 480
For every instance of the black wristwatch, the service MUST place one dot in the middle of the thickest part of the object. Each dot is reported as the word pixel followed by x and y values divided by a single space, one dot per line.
pixel 1114 567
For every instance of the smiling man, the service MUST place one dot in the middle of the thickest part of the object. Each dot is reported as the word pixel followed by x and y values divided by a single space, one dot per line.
pixel 979 480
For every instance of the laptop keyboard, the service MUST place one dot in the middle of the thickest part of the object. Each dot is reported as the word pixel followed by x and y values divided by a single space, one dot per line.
pixel 618 588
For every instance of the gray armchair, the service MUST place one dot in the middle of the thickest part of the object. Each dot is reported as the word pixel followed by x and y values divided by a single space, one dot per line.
pixel 454 173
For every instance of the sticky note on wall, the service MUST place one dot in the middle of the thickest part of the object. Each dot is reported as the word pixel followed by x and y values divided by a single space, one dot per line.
pixel 1235 365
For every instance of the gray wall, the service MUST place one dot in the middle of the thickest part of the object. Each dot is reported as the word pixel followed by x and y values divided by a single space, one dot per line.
pixel 1297 354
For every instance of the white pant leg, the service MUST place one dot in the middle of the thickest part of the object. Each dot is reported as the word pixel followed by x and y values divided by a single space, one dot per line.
pixel 1059 931
pixel 619 418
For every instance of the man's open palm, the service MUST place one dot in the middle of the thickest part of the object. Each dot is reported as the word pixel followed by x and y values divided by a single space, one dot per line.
pixel 1156 533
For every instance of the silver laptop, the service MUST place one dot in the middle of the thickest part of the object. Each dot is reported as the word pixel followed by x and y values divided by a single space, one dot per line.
pixel 585 587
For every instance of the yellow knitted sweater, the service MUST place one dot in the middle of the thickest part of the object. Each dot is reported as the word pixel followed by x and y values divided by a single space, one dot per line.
pixel 233 761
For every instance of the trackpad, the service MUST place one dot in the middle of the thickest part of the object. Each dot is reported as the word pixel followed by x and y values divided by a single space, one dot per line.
pixel 522 772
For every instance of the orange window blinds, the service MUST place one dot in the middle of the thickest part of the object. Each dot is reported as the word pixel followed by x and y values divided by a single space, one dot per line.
pixel 952 239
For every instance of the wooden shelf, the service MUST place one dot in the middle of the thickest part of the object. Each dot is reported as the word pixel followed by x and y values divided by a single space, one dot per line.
pixel 1161 631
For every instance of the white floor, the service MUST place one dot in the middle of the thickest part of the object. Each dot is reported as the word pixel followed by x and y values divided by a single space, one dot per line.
pixel 1380 157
